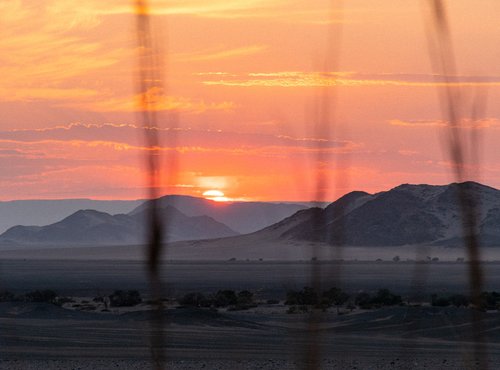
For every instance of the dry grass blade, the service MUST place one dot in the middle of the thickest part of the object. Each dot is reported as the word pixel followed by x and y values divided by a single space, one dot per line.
pixel 149 79
pixel 323 119
pixel 452 101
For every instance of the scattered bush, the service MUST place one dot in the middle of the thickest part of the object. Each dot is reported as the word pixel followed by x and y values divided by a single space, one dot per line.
pixel 245 297
pixel 459 300
pixel 195 300
pixel 122 298
pixel 62 300
pixel 363 300
pixel 335 296
pixel 6 296
pixel 224 298
pixel 306 296
pixel 45 296
pixel 489 301
pixel 385 297
pixel 440 301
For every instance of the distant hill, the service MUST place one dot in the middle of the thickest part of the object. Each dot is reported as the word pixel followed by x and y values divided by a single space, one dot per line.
pixel 90 227
pixel 405 215
pixel 188 218
pixel 45 212
pixel 243 217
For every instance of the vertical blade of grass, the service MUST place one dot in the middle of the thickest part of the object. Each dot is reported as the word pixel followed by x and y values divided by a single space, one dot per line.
pixel 442 56
pixel 323 128
pixel 149 81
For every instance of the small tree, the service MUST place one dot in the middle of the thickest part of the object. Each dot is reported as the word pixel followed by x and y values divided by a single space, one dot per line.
pixel 6 296
pixel 459 300
pixel 194 300
pixel 440 301
pixel 224 298
pixel 385 297
pixel 46 296
pixel 245 297
pixel 335 296
pixel 490 300
pixel 122 298
pixel 306 296
pixel 363 300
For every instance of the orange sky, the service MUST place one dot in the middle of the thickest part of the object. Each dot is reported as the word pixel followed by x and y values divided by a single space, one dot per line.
pixel 242 85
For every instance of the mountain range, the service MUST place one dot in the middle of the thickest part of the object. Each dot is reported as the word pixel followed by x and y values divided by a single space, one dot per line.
pixel 243 217
pixel 48 211
pixel 405 215
pixel 199 219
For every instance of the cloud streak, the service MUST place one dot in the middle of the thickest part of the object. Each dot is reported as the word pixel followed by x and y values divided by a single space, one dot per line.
pixel 128 137
pixel 348 79
pixel 483 123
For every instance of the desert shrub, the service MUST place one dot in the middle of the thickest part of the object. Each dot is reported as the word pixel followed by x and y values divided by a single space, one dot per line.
pixel 244 301
pixel 46 296
pixel 306 296
pixel 440 301
pixel 335 296
pixel 489 300
pixel 459 300
pixel 224 298
pixel 195 300
pixel 245 297
pixel 385 297
pixel 62 300
pixel 363 300
pixel 6 296
pixel 122 298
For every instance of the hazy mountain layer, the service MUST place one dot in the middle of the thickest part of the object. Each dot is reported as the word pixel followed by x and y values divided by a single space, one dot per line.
pixel 243 217
pixel 100 228
pixel 45 212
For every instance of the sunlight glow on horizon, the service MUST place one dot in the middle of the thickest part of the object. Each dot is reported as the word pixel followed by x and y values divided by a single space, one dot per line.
pixel 216 195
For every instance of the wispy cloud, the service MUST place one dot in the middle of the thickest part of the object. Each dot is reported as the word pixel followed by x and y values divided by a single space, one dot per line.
pixel 348 79
pixel 92 140
pixel 220 54
pixel 466 124
pixel 159 102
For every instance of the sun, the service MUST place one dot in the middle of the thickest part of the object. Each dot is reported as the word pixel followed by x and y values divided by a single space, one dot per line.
pixel 216 195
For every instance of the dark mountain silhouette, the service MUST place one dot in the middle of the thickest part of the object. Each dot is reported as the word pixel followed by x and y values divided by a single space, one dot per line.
pixel 243 217
pixel 100 228
pixel 405 215
pixel 45 212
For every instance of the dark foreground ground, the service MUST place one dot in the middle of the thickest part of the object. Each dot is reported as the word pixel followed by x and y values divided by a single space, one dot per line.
pixel 36 336
pixel 44 336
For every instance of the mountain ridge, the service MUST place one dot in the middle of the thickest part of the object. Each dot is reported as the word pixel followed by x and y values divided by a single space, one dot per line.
pixel 404 215
pixel 86 227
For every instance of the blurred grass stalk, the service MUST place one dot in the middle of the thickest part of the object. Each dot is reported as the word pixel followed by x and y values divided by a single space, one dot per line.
pixel 462 144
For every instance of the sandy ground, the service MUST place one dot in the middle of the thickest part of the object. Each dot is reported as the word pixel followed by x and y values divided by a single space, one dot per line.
pixel 42 336
pixel 430 362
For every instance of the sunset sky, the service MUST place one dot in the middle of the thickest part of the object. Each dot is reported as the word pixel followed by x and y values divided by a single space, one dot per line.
pixel 242 83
